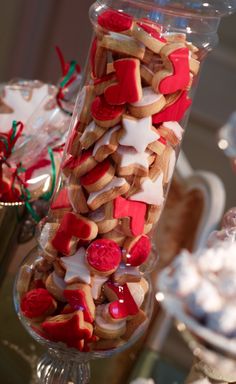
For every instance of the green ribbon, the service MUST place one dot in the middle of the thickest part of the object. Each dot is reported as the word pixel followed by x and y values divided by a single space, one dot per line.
pixel 14 128
pixel 47 196
pixel 69 74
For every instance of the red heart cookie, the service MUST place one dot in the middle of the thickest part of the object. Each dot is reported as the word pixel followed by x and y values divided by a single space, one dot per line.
pixel 104 114
pixel 138 250
pixel 98 177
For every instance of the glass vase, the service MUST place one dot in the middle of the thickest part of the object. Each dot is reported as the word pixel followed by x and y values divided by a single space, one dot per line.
pixel 87 287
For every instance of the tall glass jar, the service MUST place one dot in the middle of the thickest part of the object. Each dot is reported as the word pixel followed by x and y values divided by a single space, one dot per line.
pixel 97 245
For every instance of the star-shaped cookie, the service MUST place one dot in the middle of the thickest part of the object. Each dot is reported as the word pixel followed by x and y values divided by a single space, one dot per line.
pixel 76 268
pixel 151 191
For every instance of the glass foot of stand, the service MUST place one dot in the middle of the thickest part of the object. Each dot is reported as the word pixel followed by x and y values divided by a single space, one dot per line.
pixel 56 368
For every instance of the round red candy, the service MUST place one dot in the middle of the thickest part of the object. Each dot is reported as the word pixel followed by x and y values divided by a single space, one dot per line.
pixel 115 21
pixel 37 303
pixel 104 255
pixel 139 252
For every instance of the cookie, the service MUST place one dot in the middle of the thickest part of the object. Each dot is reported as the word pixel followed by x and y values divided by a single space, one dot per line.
pixel 174 111
pixel 137 250
pixel 153 214
pixel 72 228
pixel 58 268
pixel 77 198
pixel 118 186
pixel 90 135
pixel 132 214
pixel 97 282
pixel 98 59
pixel 122 305
pixel 138 291
pixel 166 163
pixel 99 217
pixel 107 329
pixel 114 21
pixel 128 88
pixel 172 131
pixel 76 268
pixel 176 74
pixel 74 145
pixel 106 115
pixel 126 274
pixel 150 104
pixel 98 177
pixel 146 74
pixel 159 145
pixel 107 144
pixel 116 236
pixel 68 328
pixel 84 102
pixel 101 84
pixel 124 45
pixel 138 133
pixel 80 165
pixel 149 36
pixel 37 304
pixel 103 256
pixel 61 201
pixel 151 191
pixel 24 279
pixel 136 325
pixel 55 286
pixel 48 231
pixel 79 296
pixel 130 162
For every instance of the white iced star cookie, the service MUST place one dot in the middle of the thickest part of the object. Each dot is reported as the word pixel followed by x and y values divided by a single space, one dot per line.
pixel 131 162
pixel 76 268
pixel 138 133
pixel 151 191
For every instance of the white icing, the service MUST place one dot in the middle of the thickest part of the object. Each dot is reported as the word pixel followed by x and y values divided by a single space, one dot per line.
pixel 60 283
pixel 137 293
pixel 116 182
pixel 175 127
pixel 97 283
pixel 171 165
pixel 130 157
pixel 76 267
pixel 89 129
pixel 151 191
pixel 138 133
pixel 149 97
pixel 105 140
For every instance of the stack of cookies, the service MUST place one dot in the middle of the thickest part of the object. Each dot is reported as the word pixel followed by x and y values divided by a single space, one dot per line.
pixel 120 157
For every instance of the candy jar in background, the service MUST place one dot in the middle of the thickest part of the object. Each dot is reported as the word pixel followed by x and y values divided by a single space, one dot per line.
pixel 85 292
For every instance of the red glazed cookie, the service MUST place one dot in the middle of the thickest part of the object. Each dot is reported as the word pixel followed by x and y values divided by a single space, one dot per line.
pixel 79 296
pixel 103 256
pixel 98 177
pixel 37 304
pixel 73 227
pixel 149 36
pixel 176 75
pixel 132 211
pixel 137 250
pixel 122 305
pixel 175 111
pixel 115 21
pixel 101 84
pixel 104 114
pixel 128 89
pixel 68 328
pixel 78 166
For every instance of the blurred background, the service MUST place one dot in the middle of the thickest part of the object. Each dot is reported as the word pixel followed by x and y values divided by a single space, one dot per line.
pixel 30 29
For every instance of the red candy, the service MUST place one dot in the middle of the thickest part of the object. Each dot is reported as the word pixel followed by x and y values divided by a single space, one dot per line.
pixel 128 89
pixel 102 111
pixel 36 303
pixel 139 253
pixel 71 225
pixel 62 200
pixel 180 77
pixel 96 173
pixel 104 255
pixel 133 209
pixel 115 21
pixel 125 305
pixel 175 112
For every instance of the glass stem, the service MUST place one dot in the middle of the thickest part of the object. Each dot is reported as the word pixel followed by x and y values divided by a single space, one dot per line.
pixel 61 369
